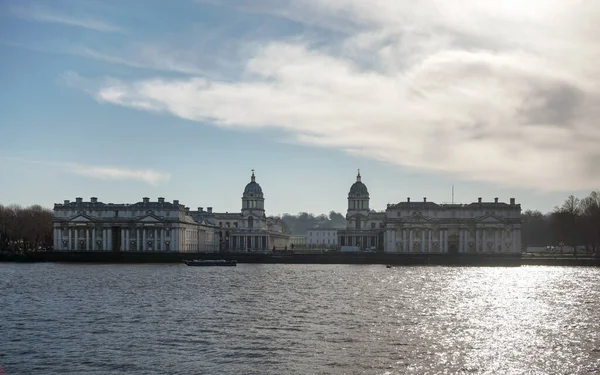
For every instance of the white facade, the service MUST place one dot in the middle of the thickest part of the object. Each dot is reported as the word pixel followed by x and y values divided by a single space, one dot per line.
pixel 322 236
pixel 479 227
pixel 140 227
pixel 427 227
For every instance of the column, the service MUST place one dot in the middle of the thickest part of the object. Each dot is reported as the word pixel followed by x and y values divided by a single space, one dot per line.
pixel 429 242
pixel 69 238
pixel 138 241
pixel 87 239
pixel 143 239
pixel 484 240
pixel 476 239
pixel 109 238
pixel 156 239
pixel 445 241
pixel 76 239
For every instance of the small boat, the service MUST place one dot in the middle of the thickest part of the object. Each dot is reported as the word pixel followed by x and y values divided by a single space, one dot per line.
pixel 211 263
pixel 388 266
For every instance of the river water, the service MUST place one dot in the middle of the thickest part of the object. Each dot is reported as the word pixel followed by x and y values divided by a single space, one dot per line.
pixel 298 319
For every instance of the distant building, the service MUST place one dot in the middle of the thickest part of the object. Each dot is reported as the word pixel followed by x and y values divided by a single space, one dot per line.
pixel 140 227
pixel 428 227
pixel 248 230
pixel 322 237
pixel 298 240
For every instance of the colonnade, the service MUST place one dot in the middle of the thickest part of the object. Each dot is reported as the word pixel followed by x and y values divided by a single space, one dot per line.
pixel 362 241
pixel 92 238
pixel 249 242
pixel 427 239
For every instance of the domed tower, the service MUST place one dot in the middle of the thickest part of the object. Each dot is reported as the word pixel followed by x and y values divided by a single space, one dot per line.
pixel 253 201
pixel 358 203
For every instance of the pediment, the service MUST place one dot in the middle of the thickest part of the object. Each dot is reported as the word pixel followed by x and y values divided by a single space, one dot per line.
pixel 149 219
pixel 418 218
pixel 489 219
pixel 81 219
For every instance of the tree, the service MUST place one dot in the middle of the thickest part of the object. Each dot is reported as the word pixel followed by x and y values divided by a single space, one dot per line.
pixel 536 230
pixel 566 222
pixel 590 212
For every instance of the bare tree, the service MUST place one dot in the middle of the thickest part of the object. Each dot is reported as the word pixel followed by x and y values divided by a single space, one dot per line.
pixel 566 222
pixel 590 210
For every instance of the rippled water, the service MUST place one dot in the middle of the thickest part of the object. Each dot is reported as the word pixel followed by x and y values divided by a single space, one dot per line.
pixel 297 319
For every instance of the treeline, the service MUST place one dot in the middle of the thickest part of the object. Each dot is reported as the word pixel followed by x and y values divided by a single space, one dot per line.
pixel 576 223
pixel 25 229
pixel 299 224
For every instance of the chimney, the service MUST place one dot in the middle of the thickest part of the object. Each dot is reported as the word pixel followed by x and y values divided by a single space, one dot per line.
pixel 209 210
pixel 408 199
pixel 94 200
pixel 146 200
pixel 495 200
pixel 200 209
pixel 161 200
pixel 424 199
pixel 187 210
pixel 78 200
pixel 479 200
pixel 176 202
pixel 512 201
pixel 67 201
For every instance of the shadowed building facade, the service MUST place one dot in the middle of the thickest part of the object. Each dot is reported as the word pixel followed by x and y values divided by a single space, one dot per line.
pixel 249 229
pixel 139 227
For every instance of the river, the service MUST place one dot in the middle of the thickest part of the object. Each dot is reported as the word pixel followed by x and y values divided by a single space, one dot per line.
pixel 298 319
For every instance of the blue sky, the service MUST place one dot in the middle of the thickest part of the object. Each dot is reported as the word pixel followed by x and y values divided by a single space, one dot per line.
pixel 122 100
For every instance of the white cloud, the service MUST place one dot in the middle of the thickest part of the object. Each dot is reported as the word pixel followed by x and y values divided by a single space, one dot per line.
pixel 45 15
pixel 148 176
pixel 502 93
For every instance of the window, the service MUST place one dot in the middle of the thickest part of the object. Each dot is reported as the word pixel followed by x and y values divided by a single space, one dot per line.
pixel 227 224
pixel 235 225
pixel 116 213
pixel 372 225
pixel 220 223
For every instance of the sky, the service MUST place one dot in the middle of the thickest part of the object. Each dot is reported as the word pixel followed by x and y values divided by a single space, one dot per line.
pixel 182 99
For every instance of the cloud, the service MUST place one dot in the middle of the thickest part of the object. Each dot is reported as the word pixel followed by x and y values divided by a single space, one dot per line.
pixel 148 176
pixel 501 93
pixel 45 15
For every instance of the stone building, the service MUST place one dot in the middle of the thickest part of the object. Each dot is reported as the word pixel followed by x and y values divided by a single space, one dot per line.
pixel 249 229
pixel 139 227
pixel 479 227
pixel 365 228
pixel 428 227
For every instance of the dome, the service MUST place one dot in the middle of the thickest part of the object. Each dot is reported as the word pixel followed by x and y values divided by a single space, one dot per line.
pixel 253 189
pixel 358 188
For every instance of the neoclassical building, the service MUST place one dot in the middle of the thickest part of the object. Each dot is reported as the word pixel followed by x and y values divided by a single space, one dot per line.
pixel 428 227
pixel 139 227
pixel 166 227
pixel 249 229
pixel 365 228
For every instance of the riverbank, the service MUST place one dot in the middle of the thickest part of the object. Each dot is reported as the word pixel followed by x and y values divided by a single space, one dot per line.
pixel 503 260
